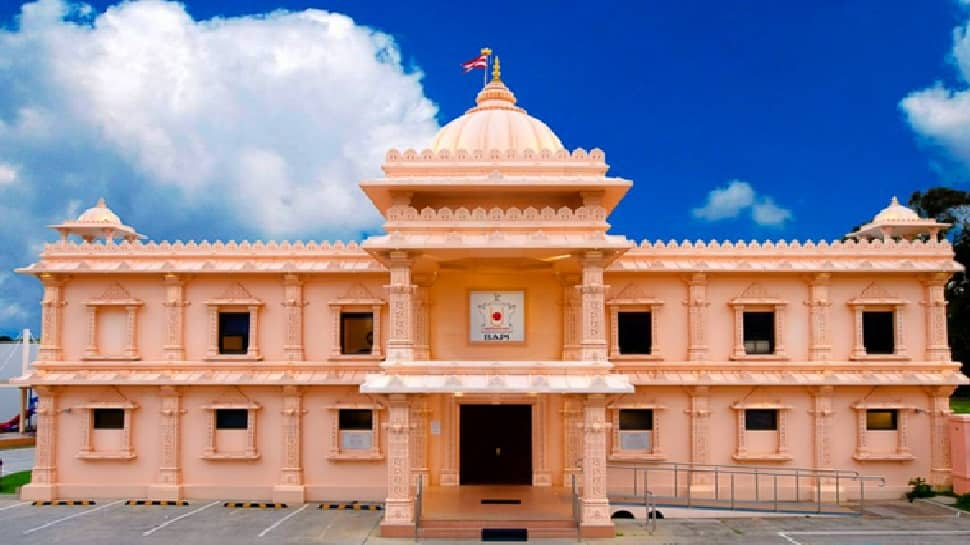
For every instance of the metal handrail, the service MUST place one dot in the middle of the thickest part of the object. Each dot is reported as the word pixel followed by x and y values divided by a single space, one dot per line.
pixel 575 501
pixel 758 473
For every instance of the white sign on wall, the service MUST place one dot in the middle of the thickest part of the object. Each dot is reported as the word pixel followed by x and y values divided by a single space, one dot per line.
pixel 496 316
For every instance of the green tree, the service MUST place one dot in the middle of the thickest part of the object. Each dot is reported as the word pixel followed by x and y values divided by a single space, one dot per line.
pixel 953 206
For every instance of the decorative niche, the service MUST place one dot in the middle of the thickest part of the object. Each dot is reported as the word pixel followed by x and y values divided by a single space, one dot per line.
pixel 232 428
pixel 108 429
pixel 635 432
pixel 113 325
pixel 762 431
pixel 355 432
pixel 882 431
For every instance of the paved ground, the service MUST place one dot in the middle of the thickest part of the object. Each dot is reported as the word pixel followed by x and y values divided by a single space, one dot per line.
pixel 110 523
pixel 17 459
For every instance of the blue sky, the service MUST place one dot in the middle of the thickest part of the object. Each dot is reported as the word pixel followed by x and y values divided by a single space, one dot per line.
pixel 735 120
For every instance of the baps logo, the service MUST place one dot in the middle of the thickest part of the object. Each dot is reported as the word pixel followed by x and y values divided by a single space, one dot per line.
pixel 496 319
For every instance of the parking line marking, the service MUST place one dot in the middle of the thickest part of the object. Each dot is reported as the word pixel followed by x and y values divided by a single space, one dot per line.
pixel 69 517
pixel 180 517
pixel 14 505
pixel 282 520
pixel 907 533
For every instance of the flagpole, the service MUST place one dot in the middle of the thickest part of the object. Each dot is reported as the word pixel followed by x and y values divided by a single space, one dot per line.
pixel 488 59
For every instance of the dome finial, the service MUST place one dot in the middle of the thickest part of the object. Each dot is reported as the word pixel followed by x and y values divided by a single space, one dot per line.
pixel 894 201
pixel 496 70
pixel 100 203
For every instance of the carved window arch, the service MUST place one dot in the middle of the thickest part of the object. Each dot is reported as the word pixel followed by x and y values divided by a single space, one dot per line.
pixel 357 300
pixel 876 299
pixel 632 299
pixel 113 325
pixel 755 298
pixel 762 445
pixel 635 444
pixel 883 445
pixel 236 298
pixel 232 444
pixel 115 444
pixel 356 445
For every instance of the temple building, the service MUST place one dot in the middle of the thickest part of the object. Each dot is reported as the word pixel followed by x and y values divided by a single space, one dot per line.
pixel 496 334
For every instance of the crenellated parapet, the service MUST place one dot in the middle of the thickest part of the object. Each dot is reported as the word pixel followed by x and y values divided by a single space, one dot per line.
pixel 482 161
pixel 403 217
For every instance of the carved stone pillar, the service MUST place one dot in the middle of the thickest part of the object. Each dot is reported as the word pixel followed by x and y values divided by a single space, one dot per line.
pixel 52 317
pixel 175 304
pixel 419 439
pixel 819 347
pixel 169 484
pixel 290 488
pixel 595 509
pixel 937 347
pixel 822 427
pixel 941 467
pixel 400 341
pixel 540 474
pixel 593 313
pixel 399 506
pixel 422 316
pixel 571 317
pixel 43 485
pixel 697 317
pixel 293 303
pixel 449 430
pixel 572 424
pixel 700 431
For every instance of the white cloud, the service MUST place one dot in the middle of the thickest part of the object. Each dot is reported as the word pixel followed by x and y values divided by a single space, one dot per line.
pixel 940 115
pixel 8 174
pixel 257 126
pixel 738 196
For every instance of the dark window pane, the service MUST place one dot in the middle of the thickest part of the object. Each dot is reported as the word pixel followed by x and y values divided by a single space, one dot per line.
pixel 233 332
pixel 232 419
pixel 356 332
pixel 109 419
pixel 636 419
pixel 356 419
pixel 877 332
pixel 759 332
pixel 634 332
pixel 761 419
pixel 882 419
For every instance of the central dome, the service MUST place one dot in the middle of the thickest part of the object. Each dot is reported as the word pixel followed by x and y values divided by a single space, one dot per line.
pixel 496 123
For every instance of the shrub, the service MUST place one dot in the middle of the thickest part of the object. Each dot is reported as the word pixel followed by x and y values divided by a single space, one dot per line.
pixel 921 489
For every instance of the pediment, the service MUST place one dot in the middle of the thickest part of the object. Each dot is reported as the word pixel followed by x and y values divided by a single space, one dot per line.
pixel 875 294
pixel 633 294
pixel 756 294
pixel 358 294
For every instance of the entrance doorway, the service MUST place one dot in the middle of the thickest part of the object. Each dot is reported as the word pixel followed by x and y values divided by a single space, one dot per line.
pixel 495 444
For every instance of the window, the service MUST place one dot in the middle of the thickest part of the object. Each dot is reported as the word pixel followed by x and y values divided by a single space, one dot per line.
pixel 882 431
pixel 882 419
pixel 634 331
pixel 636 432
pixel 108 419
pixel 356 332
pixel 878 329
pixel 762 434
pixel 355 433
pixel 759 325
pixel 634 324
pixel 107 431
pixel 232 431
pixel 356 325
pixel 761 419
pixel 759 332
pixel 233 332
pixel 877 332
pixel 232 419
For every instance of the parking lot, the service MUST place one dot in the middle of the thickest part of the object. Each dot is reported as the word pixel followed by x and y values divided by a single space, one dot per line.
pixel 114 522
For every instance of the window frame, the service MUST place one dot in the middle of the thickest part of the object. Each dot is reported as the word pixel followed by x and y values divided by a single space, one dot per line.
pixel 236 298
pixel 617 452
pixel 114 297
pixel 339 454
pixel 875 299
pixel 89 449
pixel 356 299
pixel 902 451
pixel 780 453
pixel 251 451
pixel 344 314
pixel 632 299
pixel 754 298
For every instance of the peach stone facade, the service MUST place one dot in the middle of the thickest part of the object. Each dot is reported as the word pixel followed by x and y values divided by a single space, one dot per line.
pixel 139 380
